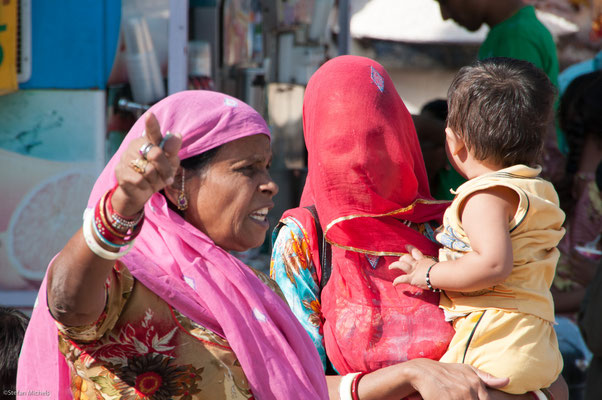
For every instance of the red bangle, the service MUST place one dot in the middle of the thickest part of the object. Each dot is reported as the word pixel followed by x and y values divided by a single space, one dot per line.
pixel 103 227
pixel 131 231
pixel 119 221
pixel 102 214
pixel 107 230
pixel 355 386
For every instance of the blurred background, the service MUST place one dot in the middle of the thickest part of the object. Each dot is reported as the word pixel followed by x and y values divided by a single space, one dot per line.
pixel 75 75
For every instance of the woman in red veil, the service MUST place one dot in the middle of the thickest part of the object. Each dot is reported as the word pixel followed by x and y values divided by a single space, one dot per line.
pixel 365 198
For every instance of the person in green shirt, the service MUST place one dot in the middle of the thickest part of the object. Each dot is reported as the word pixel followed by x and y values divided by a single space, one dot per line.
pixel 515 32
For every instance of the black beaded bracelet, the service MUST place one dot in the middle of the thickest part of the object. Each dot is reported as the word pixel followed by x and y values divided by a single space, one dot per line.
pixel 428 279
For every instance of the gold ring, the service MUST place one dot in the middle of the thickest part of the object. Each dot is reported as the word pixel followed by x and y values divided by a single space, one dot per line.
pixel 139 165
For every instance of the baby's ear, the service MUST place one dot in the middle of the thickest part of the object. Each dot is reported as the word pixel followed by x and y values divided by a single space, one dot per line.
pixel 454 141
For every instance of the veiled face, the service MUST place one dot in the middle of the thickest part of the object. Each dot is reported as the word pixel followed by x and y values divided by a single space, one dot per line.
pixel 230 199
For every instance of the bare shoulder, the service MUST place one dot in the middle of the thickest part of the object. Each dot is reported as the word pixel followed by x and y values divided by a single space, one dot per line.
pixel 492 199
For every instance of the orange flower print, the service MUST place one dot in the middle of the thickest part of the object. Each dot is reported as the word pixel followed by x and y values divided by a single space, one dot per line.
pixel 294 258
pixel 315 318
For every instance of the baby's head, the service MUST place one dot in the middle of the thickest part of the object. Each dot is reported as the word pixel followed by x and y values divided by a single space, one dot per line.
pixel 501 109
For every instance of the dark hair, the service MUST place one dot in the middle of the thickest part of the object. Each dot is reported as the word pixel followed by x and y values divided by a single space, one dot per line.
pixel 13 324
pixel 437 108
pixel 501 107
pixel 580 114
pixel 599 176
pixel 200 161
pixel 197 164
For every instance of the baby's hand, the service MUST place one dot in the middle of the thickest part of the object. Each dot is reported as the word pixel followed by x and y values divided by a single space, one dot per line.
pixel 414 264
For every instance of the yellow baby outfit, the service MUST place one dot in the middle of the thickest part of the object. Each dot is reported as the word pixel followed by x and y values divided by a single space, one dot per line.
pixel 506 330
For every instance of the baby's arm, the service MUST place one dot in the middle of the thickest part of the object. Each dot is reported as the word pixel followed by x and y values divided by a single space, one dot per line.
pixel 485 219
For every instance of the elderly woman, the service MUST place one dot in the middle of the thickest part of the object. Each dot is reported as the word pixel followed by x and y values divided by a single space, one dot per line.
pixel 365 199
pixel 145 298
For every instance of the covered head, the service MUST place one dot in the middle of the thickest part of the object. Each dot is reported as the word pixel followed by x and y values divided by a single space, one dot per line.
pixel 366 175
pixel 205 120
pixel 184 266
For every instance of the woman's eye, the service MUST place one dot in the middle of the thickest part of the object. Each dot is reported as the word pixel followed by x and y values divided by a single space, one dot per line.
pixel 246 169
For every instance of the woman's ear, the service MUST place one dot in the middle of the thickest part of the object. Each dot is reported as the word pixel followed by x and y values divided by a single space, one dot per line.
pixel 174 191
pixel 454 142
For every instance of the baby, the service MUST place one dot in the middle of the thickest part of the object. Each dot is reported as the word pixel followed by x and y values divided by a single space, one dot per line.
pixel 500 233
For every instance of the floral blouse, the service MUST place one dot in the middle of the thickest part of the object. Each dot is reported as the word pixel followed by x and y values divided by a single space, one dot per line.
pixel 293 270
pixel 141 348
pixel 295 273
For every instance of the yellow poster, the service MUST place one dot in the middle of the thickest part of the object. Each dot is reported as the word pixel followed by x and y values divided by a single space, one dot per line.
pixel 8 46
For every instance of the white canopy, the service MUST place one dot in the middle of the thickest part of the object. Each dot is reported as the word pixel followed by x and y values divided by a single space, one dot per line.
pixel 419 21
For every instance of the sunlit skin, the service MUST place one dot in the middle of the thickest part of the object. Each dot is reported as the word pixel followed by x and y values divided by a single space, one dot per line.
pixel 471 14
pixel 467 13
pixel 229 200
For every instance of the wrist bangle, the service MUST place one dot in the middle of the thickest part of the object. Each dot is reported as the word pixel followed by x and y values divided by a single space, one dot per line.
pixel 547 393
pixel 355 386
pixel 428 278
pixel 108 230
pixel 539 395
pixel 345 386
pixel 121 222
pixel 92 243
pixel 106 241
pixel 101 217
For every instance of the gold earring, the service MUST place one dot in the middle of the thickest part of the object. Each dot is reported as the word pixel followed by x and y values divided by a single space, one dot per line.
pixel 182 200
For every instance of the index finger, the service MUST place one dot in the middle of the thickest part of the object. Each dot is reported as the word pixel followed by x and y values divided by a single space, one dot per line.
pixel 152 129
pixel 402 265
pixel 414 252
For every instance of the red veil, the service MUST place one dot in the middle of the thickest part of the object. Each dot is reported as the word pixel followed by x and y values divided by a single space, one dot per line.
pixel 367 180
pixel 366 173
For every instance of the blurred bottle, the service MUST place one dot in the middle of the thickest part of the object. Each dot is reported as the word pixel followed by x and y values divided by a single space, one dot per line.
pixel 141 61
pixel 199 65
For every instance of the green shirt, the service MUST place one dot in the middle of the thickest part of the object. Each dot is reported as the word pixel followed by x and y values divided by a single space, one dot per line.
pixel 524 37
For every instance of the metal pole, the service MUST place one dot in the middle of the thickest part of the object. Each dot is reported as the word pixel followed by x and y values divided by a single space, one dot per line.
pixel 344 36
pixel 177 62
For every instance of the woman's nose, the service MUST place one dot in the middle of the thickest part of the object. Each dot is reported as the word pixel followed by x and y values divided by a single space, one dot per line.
pixel 269 186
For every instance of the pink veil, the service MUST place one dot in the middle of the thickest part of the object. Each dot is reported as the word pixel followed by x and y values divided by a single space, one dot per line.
pixel 193 275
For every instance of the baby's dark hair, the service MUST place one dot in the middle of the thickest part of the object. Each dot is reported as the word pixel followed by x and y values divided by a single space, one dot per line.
pixel 501 108
pixel 13 324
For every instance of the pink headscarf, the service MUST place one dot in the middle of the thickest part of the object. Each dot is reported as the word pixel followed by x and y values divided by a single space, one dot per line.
pixel 202 281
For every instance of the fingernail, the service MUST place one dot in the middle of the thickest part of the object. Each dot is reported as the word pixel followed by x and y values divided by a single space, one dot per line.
pixel 144 133
pixel 169 181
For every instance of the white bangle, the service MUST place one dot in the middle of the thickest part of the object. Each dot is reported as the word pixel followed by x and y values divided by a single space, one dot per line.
pixel 540 395
pixel 93 243
pixel 345 386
